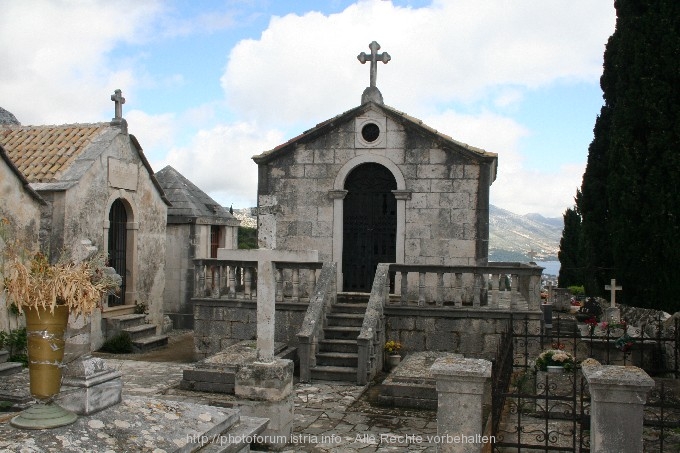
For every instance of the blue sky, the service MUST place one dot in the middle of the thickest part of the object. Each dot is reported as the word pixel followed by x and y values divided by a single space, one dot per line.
pixel 208 84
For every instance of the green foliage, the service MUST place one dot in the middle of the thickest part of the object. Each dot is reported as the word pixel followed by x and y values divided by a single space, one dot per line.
pixel 247 238
pixel 571 264
pixel 577 290
pixel 630 204
pixel 5 406
pixel 119 344
pixel 141 308
pixel 16 343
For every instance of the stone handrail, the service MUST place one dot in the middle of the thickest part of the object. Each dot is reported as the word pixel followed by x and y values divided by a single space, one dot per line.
pixel 475 286
pixel 237 279
pixel 371 339
pixel 315 319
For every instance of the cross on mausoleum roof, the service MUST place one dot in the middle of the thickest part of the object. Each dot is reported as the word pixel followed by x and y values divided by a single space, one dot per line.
pixel 118 98
pixel 374 57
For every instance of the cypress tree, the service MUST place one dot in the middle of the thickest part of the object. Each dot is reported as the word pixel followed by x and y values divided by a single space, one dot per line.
pixel 630 201
pixel 571 272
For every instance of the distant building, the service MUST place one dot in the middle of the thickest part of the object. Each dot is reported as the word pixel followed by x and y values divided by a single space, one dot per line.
pixel 197 226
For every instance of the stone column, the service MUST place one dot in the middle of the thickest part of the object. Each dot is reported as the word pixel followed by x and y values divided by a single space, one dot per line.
pixel 460 393
pixel 617 398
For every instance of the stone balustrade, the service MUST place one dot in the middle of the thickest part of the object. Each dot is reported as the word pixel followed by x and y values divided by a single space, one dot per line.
pixel 312 326
pixel 237 280
pixel 372 335
pixel 468 286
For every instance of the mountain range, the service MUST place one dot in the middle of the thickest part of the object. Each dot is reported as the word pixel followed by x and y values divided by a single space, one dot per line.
pixel 511 236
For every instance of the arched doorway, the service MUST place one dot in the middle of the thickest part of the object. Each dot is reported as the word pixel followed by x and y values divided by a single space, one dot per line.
pixel 369 225
pixel 118 247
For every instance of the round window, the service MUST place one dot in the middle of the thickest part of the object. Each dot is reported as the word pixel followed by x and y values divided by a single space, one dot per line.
pixel 370 132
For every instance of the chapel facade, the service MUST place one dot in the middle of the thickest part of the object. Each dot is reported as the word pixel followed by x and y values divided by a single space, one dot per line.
pixel 375 185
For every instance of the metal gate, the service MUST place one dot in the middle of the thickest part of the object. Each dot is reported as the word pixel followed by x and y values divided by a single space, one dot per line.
pixel 535 410
pixel 369 225
pixel 117 248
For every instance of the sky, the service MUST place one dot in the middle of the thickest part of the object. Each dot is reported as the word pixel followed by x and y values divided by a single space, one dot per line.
pixel 209 84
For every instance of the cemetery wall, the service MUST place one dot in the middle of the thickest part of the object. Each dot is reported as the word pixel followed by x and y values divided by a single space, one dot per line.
pixel 474 333
pixel 221 323
pixel 179 271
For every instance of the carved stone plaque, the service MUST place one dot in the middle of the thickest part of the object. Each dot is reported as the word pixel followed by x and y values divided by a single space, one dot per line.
pixel 122 175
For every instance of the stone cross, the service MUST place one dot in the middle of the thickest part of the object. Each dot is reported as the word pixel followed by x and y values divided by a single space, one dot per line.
pixel 266 288
pixel 532 254
pixel 374 57
pixel 118 98
pixel 612 289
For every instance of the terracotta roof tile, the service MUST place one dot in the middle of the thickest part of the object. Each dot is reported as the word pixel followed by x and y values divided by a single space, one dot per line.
pixel 42 153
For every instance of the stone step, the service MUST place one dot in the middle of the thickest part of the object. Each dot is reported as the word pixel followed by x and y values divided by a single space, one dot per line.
pixel 141 331
pixel 4 356
pixel 117 323
pixel 247 427
pixel 345 319
pixel 342 359
pixel 7 368
pixel 361 298
pixel 341 333
pixel 334 373
pixel 328 345
pixel 348 308
pixel 149 343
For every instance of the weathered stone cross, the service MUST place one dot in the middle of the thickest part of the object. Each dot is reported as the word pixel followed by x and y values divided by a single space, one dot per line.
pixel 374 57
pixel 613 288
pixel 266 288
pixel 532 254
pixel 118 98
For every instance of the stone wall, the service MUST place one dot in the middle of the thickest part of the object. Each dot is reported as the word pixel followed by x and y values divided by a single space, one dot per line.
pixel 20 217
pixel 474 333
pixel 221 323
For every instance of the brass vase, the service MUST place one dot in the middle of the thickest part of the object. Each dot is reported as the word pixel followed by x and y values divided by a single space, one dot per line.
pixel 45 334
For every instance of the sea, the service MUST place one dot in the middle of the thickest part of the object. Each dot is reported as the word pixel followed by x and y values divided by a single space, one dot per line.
pixel 551 267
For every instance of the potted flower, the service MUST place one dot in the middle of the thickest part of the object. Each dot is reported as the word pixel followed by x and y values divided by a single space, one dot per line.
pixel 47 292
pixel 392 349
pixel 555 361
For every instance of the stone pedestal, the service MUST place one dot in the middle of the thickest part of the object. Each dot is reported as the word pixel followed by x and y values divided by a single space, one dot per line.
pixel 612 315
pixel 460 391
pixel 621 391
pixel 270 386
pixel 89 387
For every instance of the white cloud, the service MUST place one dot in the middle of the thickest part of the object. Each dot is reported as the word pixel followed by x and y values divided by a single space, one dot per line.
pixel 219 161
pixel 55 53
pixel 450 51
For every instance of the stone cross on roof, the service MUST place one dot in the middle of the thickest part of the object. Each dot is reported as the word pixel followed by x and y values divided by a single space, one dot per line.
pixel 374 57
pixel 118 98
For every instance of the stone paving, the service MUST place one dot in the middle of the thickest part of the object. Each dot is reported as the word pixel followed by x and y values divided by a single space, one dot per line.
pixel 329 416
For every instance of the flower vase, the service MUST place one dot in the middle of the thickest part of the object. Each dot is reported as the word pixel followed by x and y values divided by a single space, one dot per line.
pixel 392 361
pixel 45 335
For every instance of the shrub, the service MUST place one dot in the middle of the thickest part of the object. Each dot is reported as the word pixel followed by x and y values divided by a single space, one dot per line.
pixel 120 344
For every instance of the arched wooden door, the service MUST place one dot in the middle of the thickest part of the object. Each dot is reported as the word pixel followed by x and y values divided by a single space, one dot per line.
pixel 369 225
pixel 118 247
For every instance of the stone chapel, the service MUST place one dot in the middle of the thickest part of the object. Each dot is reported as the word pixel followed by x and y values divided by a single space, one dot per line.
pixel 375 185
pixel 97 189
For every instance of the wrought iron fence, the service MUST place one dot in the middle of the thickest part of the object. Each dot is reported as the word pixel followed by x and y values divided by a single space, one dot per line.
pixel 540 411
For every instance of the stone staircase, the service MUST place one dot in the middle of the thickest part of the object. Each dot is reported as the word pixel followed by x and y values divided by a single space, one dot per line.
pixel 7 368
pixel 336 359
pixel 144 337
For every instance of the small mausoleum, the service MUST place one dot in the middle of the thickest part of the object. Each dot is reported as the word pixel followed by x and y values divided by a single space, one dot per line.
pixel 99 190
pixel 197 227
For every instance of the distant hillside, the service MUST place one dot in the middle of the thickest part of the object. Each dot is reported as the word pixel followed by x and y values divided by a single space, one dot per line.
pixel 512 236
